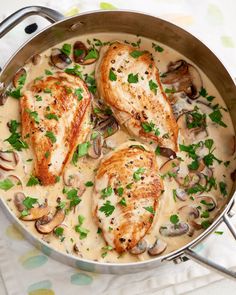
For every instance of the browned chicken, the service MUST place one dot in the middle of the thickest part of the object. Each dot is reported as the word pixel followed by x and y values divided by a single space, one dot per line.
pixel 128 81
pixel 55 115
pixel 126 192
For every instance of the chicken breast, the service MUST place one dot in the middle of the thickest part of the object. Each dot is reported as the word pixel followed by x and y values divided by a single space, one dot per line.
pixel 126 192
pixel 128 81
pixel 55 114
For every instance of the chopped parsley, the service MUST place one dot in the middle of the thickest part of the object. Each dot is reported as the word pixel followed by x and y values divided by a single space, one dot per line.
pixel 132 79
pixel 72 195
pixel 216 117
pixel 106 192
pixel 59 231
pixel 223 188
pixel 47 90
pixel 174 194
pixel 120 191
pixel 38 98
pixel 83 232
pixel 47 154
pixel 51 136
pixel 170 90
pixel 66 48
pixel 48 73
pixel 16 92
pixel 174 219
pixel 136 53
pixel 76 71
pixel 29 202
pixel 15 139
pixel 205 214
pixel 112 76
pixel 204 93
pixel 34 115
pixel 122 202
pixel 205 224
pixel 78 93
pixel 33 181
pixel 157 47
pixel 195 119
pixel 107 208
pixel 51 116
pixel 6 184
pixel 92 54
pixel 137 173
pixel 153 86
pixel 150 127
pixel 88 183
pixel 150 209
pixel 82 150
pixel 91 83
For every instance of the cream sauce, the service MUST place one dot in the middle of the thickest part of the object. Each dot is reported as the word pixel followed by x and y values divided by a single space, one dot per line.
pixel 91 247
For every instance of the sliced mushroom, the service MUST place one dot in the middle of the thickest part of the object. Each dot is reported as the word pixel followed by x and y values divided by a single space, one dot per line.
pixel 188 212
pixel 181 194
pixel 37 213
pixel 183 76
pixel 15 179
pixel 168 153
pixel 180 103
pixel 170 166
pixel 36 59
pixel 74 180
pixel 207 202
pixel 79 52
pixel 47 225
pixel 191 134
pixel 173 230
pixel 157 248
pixel 107 127
pixel 188 180
pixel 18 77
pixel 95 150
pixel 18 201
pixel 140 247
pixel 60 59
pixel 3 98
pixel 7 158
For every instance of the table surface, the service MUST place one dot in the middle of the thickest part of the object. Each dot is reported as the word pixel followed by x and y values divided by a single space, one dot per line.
pixel 222 45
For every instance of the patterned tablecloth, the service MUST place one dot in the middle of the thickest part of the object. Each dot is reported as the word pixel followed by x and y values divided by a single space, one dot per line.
pixel 24 269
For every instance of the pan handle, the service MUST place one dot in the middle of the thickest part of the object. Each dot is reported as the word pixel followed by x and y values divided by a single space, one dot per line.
pixel 209 263
pixel 12 20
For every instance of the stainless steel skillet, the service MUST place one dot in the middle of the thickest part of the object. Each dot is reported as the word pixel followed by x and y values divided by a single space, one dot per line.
pixel 143 25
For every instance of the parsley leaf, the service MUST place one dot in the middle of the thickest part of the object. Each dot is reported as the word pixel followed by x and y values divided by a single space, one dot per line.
pixel 78 93
pixel 51 116
pixel 51 136
pixel 92 54
pixel 137 173
pixel 136 53
pixel 34 115
pixel 88 183
pixel 106 192
pixel 216 116
pixel 72 195
pixel 29 202
pixel 122 202
pixel 112 76
pixel 15 139
pixel 107 208
pixel 157 47
pixel 66 48
pixel 150 209
pixel 223 188
pixel 33 181
pixel 153 86
pixel 79 229
pixel 204 93
pixel 6 184
pixel 59 231
pixel 120 191
pixel 174 219
pixel 132 79
pixel 74 71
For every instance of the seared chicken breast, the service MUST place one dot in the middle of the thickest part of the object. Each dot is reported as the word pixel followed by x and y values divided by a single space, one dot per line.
pixel 55 114
pixel 128 81
pixel 126 192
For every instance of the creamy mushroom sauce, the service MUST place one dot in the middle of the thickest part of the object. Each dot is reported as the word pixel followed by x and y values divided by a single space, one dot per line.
pixel 91 246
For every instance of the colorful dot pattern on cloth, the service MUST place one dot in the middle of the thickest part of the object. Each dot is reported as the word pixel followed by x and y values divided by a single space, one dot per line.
pixel 34 273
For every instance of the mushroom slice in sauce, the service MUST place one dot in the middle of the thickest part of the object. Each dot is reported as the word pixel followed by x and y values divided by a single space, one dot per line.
pixel 36 213
pixel 157 248
pixel 183 76
pixel 19 77
pixel 47 225
pixel 15 179
pixel 190 134
pixel 95 150
pixel 18 201
pixel 207 202
pixel 166 152
pixel 170 166
pixel 36 59
pixel 8 160
pixel 74 180
pixel 60 59
pixel 140 247
pixel 181 194
pixel 174 230
pixel 79 52
pixel 180 103
pixel 188 212
pixel 107 127
pixel 187 181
